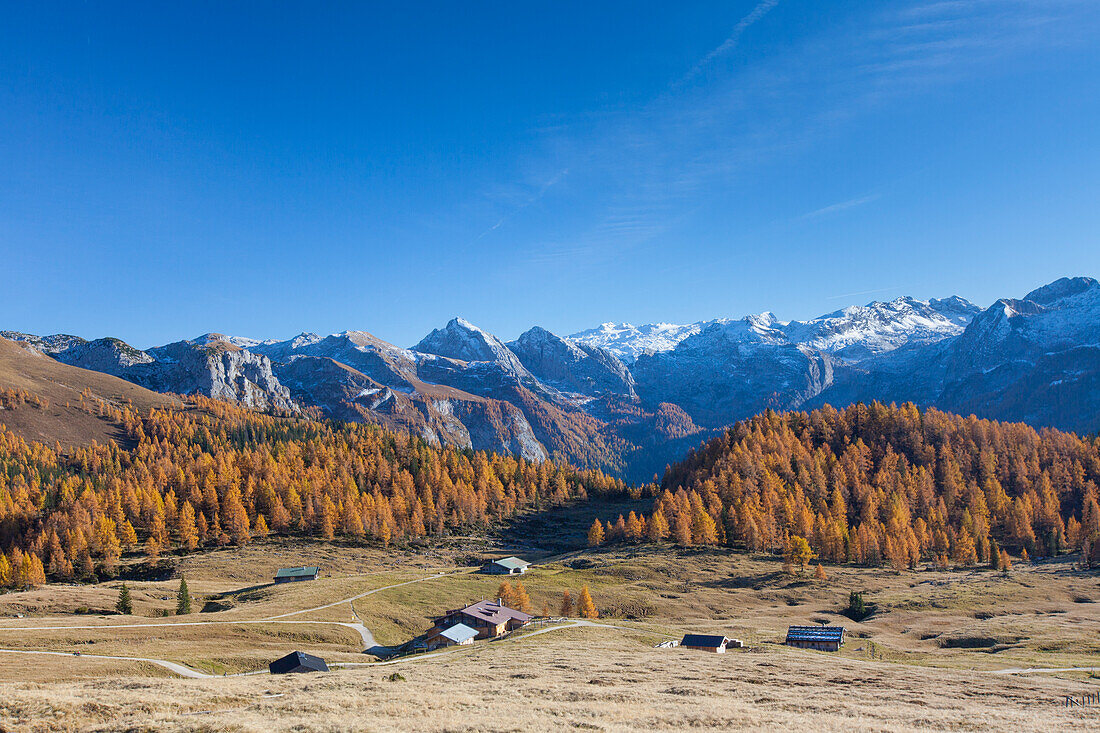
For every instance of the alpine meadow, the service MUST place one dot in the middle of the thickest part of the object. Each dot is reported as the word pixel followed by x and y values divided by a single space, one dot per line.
pixel 527 367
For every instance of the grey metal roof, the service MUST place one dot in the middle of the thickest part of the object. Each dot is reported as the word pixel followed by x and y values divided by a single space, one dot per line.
pixel 816 633
pixel 459 633
pixel 707 640
pixel 296 572
pixel 512 563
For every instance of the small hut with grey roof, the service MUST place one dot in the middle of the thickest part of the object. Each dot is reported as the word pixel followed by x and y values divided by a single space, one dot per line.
pixel 822 638
pixel 457 635
pixel 505 566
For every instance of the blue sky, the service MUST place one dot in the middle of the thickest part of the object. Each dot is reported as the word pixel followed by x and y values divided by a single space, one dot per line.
pixel 263 169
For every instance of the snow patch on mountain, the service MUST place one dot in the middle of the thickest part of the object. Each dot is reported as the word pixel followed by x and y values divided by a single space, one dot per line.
pixel 627 341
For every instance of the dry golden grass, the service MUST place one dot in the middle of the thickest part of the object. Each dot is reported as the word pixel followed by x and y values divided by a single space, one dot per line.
pixel 923 660
pixel 588 679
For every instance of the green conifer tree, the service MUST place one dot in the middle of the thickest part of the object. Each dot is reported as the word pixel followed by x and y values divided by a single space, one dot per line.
pixel 125 605
pixel 183 599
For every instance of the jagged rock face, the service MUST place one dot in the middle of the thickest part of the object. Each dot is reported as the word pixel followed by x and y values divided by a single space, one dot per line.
pixel 208 365
pixel 216 369
pixel 378 359
pixel 464 341
pixel 108 355
pixel 572 367
pixel 444 416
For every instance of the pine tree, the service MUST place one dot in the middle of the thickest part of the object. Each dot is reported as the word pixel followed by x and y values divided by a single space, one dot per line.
pixel 124 605
pixel 183 599
pixel 857 609
pixel 585 606
pixel 819 573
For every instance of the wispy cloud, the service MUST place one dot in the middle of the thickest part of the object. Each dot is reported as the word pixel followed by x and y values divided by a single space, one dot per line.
pixel 636 173
pixel 733 39
pixel 841 206
pixel 895 288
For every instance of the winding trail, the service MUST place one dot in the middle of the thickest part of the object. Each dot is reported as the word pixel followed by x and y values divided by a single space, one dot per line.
pixel 170 666
pixel 184 671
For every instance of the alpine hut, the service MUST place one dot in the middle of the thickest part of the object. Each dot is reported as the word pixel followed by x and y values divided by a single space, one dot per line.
pixel 292 575
pixel 297 662
pixel 822 638
pixel 489 618
pixel 505 566
pixel 709 643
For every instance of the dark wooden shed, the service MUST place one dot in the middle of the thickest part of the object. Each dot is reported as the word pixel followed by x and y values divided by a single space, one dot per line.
pixel 297 662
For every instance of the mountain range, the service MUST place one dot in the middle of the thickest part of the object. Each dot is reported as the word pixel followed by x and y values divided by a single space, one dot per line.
pixel 630 399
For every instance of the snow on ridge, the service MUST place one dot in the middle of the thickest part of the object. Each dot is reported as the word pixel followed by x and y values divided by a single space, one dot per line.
pixel 628 341
pixel 873 328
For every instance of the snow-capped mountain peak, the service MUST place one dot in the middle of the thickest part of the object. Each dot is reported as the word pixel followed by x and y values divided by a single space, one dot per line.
pixel 627 341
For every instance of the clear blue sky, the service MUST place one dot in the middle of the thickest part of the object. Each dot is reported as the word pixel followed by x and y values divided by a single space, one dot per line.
pixel 261 169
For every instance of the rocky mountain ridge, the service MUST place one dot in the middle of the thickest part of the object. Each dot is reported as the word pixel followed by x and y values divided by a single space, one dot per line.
pixel 628 398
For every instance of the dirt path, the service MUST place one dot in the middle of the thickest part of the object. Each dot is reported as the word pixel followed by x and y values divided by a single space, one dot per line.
pixel 184 671
pixel 440 574
pixel 1030 670
pixel 179 669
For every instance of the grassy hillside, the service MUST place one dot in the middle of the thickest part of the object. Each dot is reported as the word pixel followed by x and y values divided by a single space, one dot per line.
pixel 58 389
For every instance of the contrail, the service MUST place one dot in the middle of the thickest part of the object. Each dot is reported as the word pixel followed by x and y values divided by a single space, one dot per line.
pixel 731 42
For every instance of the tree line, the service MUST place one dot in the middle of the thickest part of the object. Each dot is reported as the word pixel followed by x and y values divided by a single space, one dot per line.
pixel 217 474
pixel 880 485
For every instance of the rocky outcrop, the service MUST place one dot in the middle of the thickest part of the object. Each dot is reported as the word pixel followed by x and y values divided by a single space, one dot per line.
pixel 216 369
pixel 581 368
pixel 108 355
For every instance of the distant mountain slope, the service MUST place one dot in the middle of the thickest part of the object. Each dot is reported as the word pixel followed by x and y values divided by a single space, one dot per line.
pixel 1034 360
pixel 23 368
pixel 628 399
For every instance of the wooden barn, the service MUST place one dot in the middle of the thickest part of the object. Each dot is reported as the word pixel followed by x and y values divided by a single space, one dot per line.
pixel 489 618
pixel 709 643
pixel 293 575
pixel 822 638
pixel 297 662
pixel 506 566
